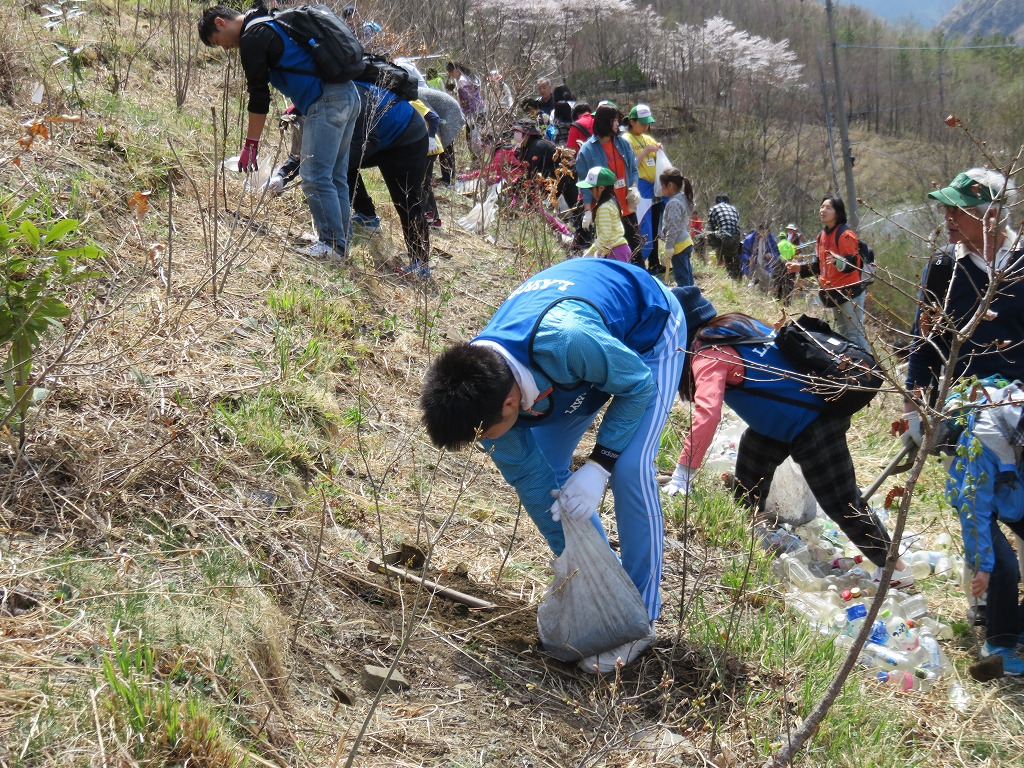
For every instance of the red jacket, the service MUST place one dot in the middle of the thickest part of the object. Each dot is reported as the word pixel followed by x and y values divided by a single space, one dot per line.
pixel 576 136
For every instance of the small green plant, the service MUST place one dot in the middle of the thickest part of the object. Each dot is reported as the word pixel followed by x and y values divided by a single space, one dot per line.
pixel 166 726
pixel 36 272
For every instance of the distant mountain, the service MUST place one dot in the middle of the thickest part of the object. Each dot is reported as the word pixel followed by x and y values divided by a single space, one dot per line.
pixel 986 17
pixel 923 13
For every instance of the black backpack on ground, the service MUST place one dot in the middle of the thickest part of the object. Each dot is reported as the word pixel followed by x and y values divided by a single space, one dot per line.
pixel 337 54
pixel 831 366
pixel 388 75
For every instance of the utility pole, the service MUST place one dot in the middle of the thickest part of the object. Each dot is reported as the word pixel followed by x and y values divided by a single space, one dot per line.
pixel 844 128
pixel 828 121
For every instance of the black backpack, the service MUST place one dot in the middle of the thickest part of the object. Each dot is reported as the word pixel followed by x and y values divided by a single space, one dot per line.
pixel 387 74
pixel 337 54
pixel 834 368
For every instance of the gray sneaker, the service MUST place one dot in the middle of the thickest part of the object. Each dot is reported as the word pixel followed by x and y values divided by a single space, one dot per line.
pixel 322 251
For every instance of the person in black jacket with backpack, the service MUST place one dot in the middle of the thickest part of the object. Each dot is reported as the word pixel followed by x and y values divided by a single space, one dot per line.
pixel 270 57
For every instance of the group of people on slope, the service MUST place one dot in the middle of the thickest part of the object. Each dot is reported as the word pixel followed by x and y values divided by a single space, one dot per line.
pixel 339 128
pixel 579 338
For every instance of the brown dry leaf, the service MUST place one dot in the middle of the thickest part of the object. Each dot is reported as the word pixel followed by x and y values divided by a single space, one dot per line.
pixel 17 162
pixel 139 203
pixel 37 128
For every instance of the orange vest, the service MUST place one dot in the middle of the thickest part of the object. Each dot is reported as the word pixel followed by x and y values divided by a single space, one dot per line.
pixel 828 276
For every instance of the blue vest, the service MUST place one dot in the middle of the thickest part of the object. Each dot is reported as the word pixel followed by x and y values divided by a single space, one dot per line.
pixel 634 308
pixel 300 88
pixel 387 115
pixel 768 376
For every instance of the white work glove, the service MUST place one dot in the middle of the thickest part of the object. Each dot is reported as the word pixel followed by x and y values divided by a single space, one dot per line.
pixel 274 186
pixel 633 198
pixel 432 148
pixel 588 219
pixel 579 497
pixel 912 437
pixel 680 482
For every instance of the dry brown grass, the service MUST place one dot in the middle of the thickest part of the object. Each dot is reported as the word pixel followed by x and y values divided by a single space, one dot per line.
pixel 134 510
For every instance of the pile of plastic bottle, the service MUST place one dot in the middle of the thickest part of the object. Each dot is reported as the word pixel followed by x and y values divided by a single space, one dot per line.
pixel 830 585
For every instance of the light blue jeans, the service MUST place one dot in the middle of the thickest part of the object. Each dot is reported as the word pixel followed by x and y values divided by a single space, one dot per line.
pixel 326 137
pixel 849 317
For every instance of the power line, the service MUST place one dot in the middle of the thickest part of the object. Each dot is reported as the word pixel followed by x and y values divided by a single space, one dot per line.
pixel 936 48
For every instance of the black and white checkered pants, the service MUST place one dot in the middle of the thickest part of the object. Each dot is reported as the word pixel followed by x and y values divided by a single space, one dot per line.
pixel 823 456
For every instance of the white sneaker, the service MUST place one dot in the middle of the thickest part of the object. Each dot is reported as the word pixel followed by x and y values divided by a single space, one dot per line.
pixel 321 251
pixel 626 654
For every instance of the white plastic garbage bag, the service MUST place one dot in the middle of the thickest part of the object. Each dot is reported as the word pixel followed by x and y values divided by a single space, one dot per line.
pixel 591 604
pixel 481 216
pixel 661 164
pixel 790 499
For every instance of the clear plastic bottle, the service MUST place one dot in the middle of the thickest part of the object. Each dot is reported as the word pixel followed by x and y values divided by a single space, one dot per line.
pixel 844 564
pixel 798 575
pixel 936 660
pixel 921 570
pixel 876 655
pixel 905 681
pixel 939 630
pixel 914 606
pixel 958 698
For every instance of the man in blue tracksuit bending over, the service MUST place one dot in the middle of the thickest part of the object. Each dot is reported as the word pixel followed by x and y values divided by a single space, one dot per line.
pixel 570 339
pixel 270 57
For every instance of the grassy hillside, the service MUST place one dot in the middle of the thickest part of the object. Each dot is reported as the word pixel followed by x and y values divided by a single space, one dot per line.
pixel 229 435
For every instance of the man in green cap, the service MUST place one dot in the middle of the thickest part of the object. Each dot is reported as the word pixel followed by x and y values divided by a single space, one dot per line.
pixel 985 483
pixel 975 208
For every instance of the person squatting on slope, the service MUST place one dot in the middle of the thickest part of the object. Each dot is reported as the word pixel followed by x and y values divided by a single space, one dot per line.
pixel 270 57
pixel 572 339
pixel 752 379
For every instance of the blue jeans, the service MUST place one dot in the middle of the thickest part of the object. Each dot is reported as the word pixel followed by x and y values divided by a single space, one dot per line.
pixel 849 317
pixel 326 137
pixel 682 267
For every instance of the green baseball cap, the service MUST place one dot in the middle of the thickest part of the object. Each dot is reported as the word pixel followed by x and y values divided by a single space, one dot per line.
pixel 598 176
pixel 963 192
pixel 642 113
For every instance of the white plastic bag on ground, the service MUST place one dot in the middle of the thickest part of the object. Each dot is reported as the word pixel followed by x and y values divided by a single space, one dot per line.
pixel 661 164
pixel 481 216
pixel 591 604
pixel 790 499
